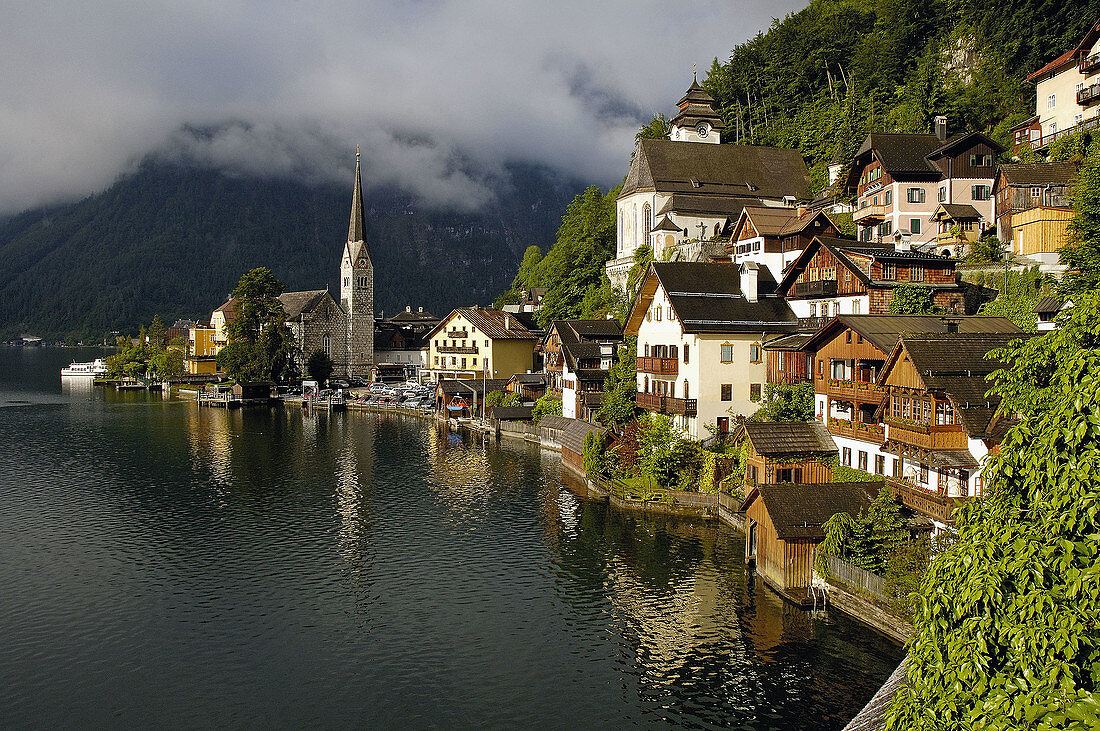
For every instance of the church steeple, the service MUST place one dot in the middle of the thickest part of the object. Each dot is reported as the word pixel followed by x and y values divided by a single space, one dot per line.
pixel 697 121
pixel 355 228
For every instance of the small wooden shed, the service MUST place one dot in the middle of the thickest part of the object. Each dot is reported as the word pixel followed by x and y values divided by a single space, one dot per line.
pixel 572 443
pixel 798 452
pixel 783 527
pixel 252 391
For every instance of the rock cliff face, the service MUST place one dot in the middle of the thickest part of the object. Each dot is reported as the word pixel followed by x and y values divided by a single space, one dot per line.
pixel 174 239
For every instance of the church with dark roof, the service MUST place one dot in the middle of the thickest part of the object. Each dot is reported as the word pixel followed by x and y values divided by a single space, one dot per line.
pixel 342 328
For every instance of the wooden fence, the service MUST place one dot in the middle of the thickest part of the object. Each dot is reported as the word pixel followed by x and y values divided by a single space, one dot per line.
pixel 859 579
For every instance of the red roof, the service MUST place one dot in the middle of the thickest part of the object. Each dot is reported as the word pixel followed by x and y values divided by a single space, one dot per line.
pixel 1065 58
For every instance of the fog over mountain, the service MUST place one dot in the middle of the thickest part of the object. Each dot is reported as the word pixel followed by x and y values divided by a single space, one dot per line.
pixel 441 95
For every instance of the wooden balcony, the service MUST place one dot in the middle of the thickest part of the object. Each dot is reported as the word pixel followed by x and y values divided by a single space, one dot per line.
pixel 668 404
pixel 869 214
pixel 459 334
pixel 927 436
pixel 1040 142
pixel 658 366
pixel 925 502
pixel 458 350
pixel 873 433
pixel 1089 95
pixel 819 288
pixel 867 393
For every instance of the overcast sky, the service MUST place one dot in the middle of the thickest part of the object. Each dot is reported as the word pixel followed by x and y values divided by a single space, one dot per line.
pixel 438 93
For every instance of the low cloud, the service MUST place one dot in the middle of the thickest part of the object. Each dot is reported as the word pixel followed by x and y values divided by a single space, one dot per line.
pixel 440 95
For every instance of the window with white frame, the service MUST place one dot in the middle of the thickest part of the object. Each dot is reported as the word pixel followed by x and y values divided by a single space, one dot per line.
pixel 915 195
pixel 943 193
pixel 1052 101
pixel 1036 191
pixel 979 192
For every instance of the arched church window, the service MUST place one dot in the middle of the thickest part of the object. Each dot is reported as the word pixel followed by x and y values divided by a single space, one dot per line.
pixel 648 215
pixel 326 344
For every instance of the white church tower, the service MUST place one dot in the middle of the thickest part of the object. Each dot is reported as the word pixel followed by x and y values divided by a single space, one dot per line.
pixel 696 121
pixel 357 287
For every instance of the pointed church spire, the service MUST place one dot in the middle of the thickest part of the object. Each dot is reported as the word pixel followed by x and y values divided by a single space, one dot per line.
pixel 355 228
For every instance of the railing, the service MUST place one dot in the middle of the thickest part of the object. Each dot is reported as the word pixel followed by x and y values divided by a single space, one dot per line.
pixel 1089 63
pixel 859 579
pixel 458 334
pixel 1042 141
pixel 812 323
pixel 658 366
pixel 857 430
pixel 854 390
pixel 820 288
pixel 1089 95
pixel 468 350
pixel 668 404
pixel 869 212
pixel 927 436
pixel 926 502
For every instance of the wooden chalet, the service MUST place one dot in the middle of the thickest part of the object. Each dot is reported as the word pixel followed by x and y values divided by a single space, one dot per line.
pixel 1022 187
pixel 941 422
pixel 791 452
pixel 788 361
pixel 832 276
pixel 528 386
pixel 774 236
pixel 850 353
pixel 783 527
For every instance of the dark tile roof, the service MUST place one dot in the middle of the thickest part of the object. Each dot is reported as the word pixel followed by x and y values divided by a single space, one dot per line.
pixel 769 220
pixel 555 422
pixel 798 511
pixel 493 323
pixel 857 257
pixel 595 329
pixel 511 413
pixel 798 224
pixel 883 331
pixel 958 211
pixel 964 140
pixel 295 303
pixel 794 341
pixel 707 298
pixel 529 378
pixel 572 436
pixel 903 155
pixel 666 225
pixel 1039 173
pixel 727 170
pixel 712 205
pixel 1049 305
pixel 771 438
pixel 413 318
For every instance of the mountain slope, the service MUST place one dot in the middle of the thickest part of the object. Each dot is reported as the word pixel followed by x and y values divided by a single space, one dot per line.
pixel 173 239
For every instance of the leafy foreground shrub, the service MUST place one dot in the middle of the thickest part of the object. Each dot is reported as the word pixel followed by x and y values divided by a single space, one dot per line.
pixel 1007 630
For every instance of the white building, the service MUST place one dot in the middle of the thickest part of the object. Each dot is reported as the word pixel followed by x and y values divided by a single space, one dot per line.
pixel 700 330
pixel 682 192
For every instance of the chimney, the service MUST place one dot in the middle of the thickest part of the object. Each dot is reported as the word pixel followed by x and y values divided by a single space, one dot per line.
pixel 940 123
pixel 507 322
pixel 834 172
pixel 801 210
pixel 951 324
pixel 750 280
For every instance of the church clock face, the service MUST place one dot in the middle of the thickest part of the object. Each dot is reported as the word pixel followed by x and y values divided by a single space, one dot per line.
pixel 702 129
pixel 362 263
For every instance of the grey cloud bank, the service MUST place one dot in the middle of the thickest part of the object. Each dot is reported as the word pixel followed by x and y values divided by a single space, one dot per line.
pixel 439 94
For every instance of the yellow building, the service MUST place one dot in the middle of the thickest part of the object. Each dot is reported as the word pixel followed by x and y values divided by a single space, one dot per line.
pixel 472 341
pixel 1040 233
pixel 204 342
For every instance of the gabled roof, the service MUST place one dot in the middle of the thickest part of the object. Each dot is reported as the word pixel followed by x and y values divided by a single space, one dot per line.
pixel 1066 58
pixel 798 224
pixel 697 106
pixel 511 413
pixel 494 324
pixel 572 436
pixel 666 225
pixel 956 212
pixel 902 155
pixel 468 387
pixel 845 249
pixel 408 317
pixel 228 310
pixel 956 365
pixel 712 206
pixel 707 297
pixel 727 170
pixel 536 379
pixel 1049 305
pixel 771 438
pixel 295 303
pixel 794 341
pixel 963 140
pixel 766 220
pixel 555 422
pixel 1039 173
pixel 799 511
pixel 883 331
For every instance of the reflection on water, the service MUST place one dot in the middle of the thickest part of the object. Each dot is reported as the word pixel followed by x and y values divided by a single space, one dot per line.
pixel 170 565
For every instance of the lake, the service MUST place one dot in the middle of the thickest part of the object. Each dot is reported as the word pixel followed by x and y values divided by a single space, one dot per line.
pixel 163 565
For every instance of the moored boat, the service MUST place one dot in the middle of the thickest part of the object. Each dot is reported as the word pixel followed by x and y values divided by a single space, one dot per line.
pixel 96 368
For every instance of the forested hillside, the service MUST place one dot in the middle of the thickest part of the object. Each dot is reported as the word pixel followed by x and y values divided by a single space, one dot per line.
pixel 821 79
pixel 174 240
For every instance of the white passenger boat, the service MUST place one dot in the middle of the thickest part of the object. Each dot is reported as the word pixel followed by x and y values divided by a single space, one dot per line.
pixel 96 368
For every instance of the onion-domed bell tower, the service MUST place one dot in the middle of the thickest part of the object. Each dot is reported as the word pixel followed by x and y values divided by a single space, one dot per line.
pixel 357 287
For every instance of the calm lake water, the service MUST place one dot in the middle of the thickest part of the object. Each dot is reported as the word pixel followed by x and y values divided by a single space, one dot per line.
pixel 166 566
